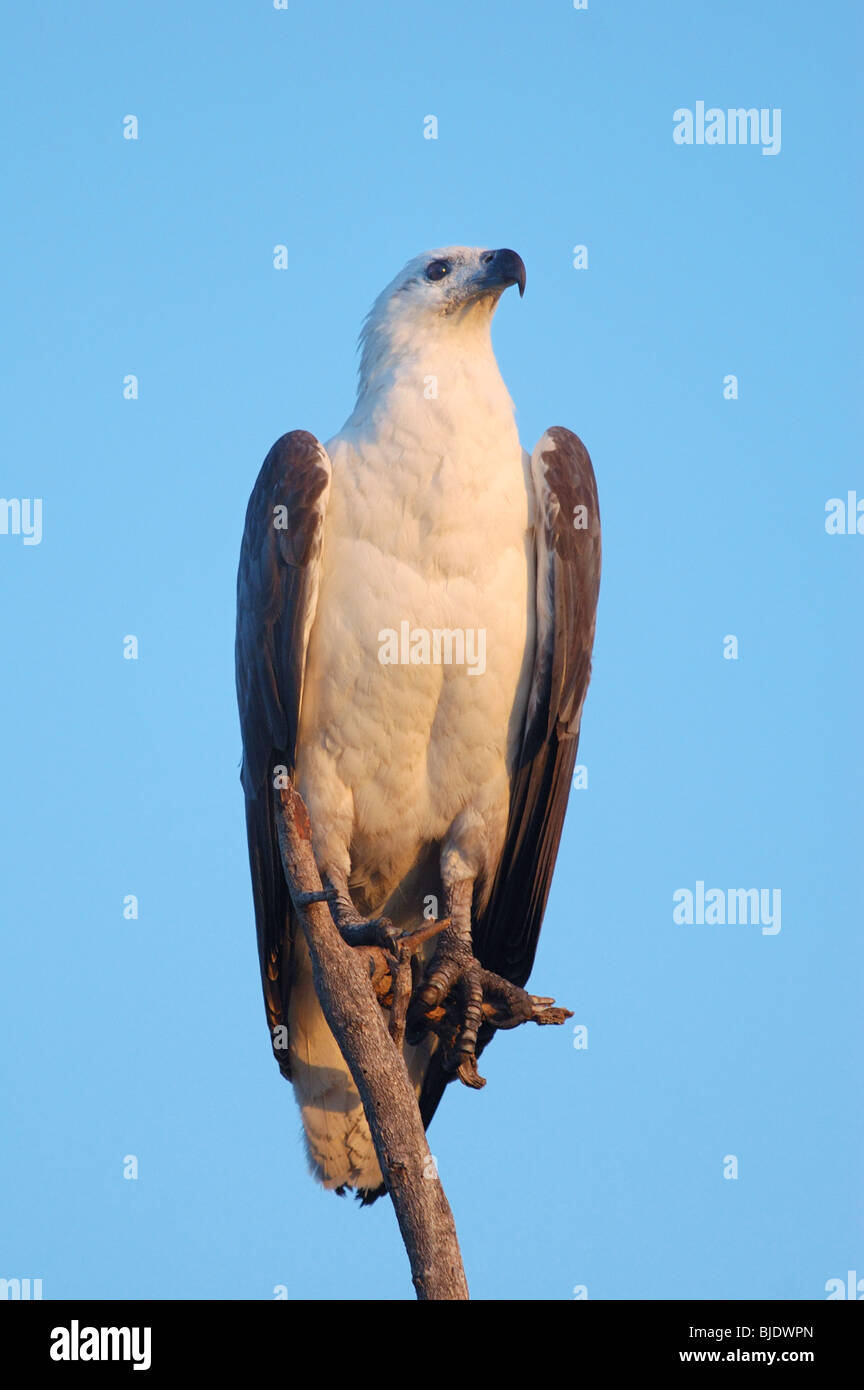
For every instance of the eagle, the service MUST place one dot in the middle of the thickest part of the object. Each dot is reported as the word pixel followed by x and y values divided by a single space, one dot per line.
pixel 416 604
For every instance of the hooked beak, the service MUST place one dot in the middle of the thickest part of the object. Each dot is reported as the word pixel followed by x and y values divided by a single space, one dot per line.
pixel 500 269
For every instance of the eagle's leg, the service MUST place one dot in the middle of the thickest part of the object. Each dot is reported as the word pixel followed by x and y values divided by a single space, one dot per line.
pixel 450 997
pixel 453 979
pixel 456 995
pixel 355 929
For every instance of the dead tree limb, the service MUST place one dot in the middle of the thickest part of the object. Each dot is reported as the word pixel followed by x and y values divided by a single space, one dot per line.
pixel 346 983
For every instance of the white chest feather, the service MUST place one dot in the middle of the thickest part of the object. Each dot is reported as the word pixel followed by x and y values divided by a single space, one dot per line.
pixel 420 654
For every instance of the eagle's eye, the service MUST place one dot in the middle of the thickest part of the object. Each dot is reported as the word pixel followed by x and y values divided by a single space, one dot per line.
pixel 436 270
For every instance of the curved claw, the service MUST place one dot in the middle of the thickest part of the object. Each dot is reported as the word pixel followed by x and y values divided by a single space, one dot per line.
pixel 468 1073
pixel 456 997
pixel 373 931
pixel 538 1012
pixel 385 934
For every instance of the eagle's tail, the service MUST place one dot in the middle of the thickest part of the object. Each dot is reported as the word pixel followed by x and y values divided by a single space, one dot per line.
pixel 338 1143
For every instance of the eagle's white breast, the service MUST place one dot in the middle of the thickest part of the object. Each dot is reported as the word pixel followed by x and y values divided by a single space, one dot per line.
pixel 428 529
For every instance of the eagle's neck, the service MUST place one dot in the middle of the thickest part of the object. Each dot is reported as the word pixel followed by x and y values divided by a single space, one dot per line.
pixel 442 387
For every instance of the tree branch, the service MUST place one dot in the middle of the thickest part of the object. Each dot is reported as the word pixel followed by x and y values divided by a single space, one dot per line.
pixel 346 980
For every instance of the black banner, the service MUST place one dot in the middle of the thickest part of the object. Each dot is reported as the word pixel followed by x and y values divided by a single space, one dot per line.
pixel 80 1338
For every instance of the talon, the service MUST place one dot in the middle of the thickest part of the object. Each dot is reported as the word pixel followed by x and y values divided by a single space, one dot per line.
pixel 468 1073
pixel 370 931
pixel 456 997
pixel 386 935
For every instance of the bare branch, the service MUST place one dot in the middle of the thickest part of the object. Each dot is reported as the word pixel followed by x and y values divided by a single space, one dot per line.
pixel 348 982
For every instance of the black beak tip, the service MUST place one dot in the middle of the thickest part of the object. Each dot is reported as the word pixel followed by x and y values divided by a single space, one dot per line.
pixel 511 267
pixel 517 269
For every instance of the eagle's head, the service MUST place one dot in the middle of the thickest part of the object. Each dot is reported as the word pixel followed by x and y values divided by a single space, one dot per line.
pixel 451 280
pixel 449 294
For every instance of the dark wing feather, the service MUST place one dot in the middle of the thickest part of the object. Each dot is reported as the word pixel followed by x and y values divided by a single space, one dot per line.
pixel 568 580
pixel 277 593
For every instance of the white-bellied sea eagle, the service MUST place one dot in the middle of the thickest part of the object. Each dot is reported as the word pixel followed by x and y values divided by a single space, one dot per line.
pixel 416 606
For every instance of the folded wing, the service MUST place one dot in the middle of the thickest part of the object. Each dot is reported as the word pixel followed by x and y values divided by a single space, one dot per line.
pixel 277 595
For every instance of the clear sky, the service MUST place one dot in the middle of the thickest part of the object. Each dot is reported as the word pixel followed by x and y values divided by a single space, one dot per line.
pixel 600 1167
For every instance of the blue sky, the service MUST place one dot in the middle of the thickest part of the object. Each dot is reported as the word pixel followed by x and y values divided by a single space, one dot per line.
pixel 601 1167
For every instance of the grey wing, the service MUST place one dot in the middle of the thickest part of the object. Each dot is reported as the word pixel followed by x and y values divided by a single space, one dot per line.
pixel 277 595
pixel 568 583
pixel 567 533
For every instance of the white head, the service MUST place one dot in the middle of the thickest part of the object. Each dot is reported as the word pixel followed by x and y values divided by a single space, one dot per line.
pixel 441 300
